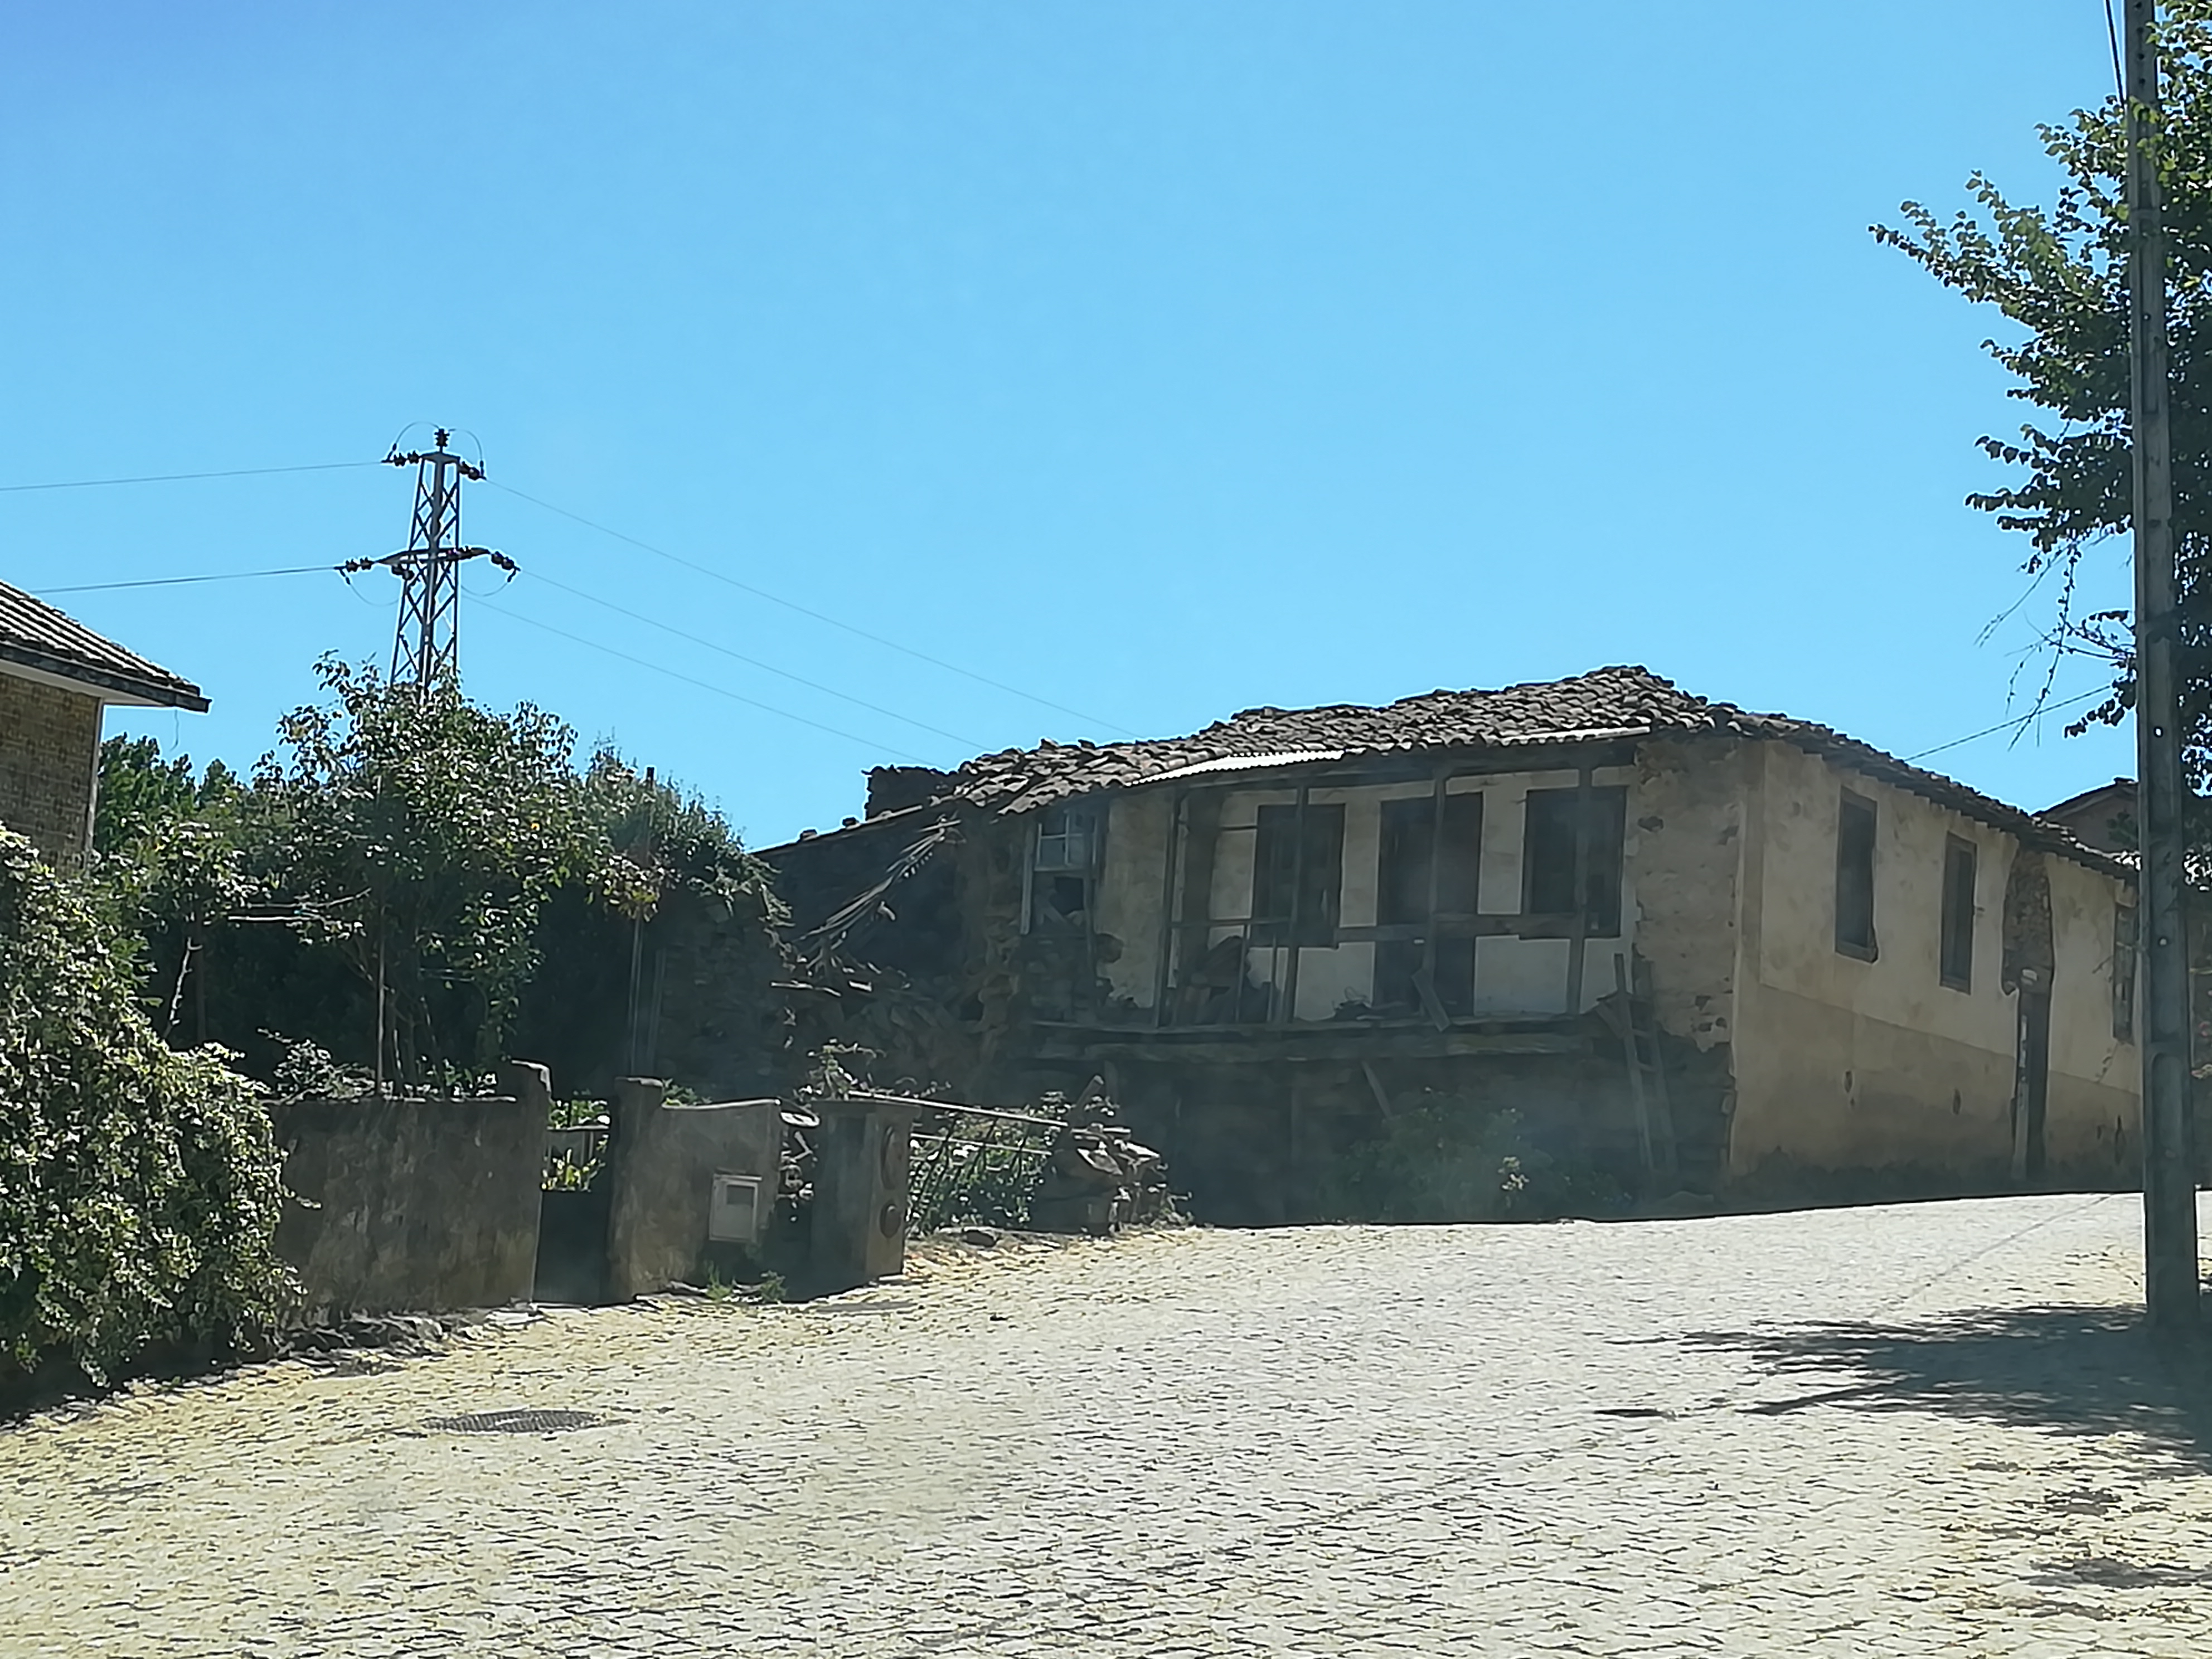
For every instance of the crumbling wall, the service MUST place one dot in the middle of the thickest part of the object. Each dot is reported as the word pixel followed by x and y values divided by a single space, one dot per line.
pixel 1684 853
pixel 1132 900
pixel 718 1020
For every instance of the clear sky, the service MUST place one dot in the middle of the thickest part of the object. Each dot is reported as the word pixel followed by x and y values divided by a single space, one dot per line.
pixel 1159 360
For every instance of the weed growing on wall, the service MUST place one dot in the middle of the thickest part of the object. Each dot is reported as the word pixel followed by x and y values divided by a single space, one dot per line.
pixel 139 1190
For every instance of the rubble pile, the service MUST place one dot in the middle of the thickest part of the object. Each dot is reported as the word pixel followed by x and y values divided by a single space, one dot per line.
pixel 1098 1177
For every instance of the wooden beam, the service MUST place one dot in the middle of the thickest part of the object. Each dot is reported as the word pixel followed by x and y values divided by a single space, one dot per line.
pixel 1578 940
pixel 1163 967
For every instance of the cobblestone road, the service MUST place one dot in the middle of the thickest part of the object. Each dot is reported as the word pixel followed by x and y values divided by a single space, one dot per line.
pixel 1921 1430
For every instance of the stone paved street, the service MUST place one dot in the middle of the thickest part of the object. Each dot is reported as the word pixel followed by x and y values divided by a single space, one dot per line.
pixel 1917 1431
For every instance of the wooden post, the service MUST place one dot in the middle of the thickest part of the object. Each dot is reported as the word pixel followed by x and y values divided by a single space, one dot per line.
pixel 1578 940
pixel 1286 981
pixel 1200 842
pixel 2170 1266
pixel 1164 968
pixel 1436 876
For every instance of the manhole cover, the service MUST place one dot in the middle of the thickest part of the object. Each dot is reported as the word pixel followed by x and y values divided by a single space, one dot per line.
pixel 514 1422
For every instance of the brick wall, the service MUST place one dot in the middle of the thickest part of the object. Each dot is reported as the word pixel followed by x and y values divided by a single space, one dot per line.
pixel 49 754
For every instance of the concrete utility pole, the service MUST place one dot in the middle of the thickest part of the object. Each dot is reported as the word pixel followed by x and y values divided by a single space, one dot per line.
pixel 2170 1284
pixel 427 645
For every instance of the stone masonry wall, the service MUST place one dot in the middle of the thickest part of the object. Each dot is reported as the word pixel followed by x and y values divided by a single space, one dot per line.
pixel 414 1206
pixel 49 752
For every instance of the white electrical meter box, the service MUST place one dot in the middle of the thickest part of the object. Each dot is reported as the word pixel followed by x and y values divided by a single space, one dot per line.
pixel 733 1216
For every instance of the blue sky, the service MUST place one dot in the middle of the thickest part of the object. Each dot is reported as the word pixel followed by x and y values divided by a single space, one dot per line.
pixel 1158 359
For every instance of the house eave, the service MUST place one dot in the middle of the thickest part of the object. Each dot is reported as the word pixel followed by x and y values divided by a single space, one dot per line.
pixel 118 690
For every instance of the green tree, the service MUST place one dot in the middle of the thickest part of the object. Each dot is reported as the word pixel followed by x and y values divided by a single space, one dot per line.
pixel 2059 275
pixel 419 835
pixel 168 851
pixel 139 1188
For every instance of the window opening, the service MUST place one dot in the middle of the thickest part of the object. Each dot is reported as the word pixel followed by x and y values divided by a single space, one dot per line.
pixel 1409 873
pixel 1067 839
pixel 1061 883
pixel 1855 838
pixel 1297 875
pixel 1955 966
pixel 1548 856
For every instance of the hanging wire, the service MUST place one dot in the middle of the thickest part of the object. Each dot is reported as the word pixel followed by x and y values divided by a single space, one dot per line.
pixel 804 610
pixel 181 477
pixel 2012 723
pixel 184 581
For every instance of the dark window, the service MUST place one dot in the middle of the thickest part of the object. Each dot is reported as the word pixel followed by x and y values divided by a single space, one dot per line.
pixel 1548 859
pixel 1067 838
pixel 2124 943
pixel 1406 866
pixel 1297 875
pixel 1956 967
pixel 1855 825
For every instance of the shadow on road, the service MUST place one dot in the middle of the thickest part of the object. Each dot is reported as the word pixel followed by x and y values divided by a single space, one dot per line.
pixel 2068 1369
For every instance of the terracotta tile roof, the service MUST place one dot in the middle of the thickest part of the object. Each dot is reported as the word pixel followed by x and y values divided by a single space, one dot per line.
pixel 1607 704
pixel 36 636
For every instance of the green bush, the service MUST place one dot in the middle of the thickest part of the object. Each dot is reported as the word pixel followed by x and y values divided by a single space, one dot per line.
pixel 139 1189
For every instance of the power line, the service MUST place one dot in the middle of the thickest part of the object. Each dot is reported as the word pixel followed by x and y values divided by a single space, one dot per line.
pixel 183 581
pixel 818 616
pixel 739 656
pixel 2007 725
pixel 182 478
pixel 704 685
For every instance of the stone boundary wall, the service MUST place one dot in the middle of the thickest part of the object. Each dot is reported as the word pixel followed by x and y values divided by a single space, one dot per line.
pixel 412 1205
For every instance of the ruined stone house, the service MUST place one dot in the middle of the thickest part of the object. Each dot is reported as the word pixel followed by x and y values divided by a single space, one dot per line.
pixel 1849 973
pixel 57 679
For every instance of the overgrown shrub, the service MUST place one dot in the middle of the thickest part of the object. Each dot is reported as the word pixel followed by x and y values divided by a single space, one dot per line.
pixel 139 1189
pixel 418 884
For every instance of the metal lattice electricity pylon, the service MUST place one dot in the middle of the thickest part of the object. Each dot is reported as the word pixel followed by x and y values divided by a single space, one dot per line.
pixel 426 646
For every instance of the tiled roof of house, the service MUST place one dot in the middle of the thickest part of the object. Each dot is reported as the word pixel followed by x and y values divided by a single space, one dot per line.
pixel 1606 703
pixel 36 636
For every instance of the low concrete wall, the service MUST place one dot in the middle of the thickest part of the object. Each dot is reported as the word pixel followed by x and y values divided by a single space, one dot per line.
pixel 417 1205
pixel 865 1159
pixel 661 1170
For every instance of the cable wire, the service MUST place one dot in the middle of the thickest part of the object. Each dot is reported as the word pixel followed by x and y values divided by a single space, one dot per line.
pixel 181 477
pixel 2007 725
pixel 739 656
pixel 704 685
pixel 818 616
pixel 184 581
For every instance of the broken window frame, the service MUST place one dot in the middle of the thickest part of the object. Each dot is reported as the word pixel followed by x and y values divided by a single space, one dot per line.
pixel 1955 949
pixel 1066 844
pixel 1069 839
pixel 1858 828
